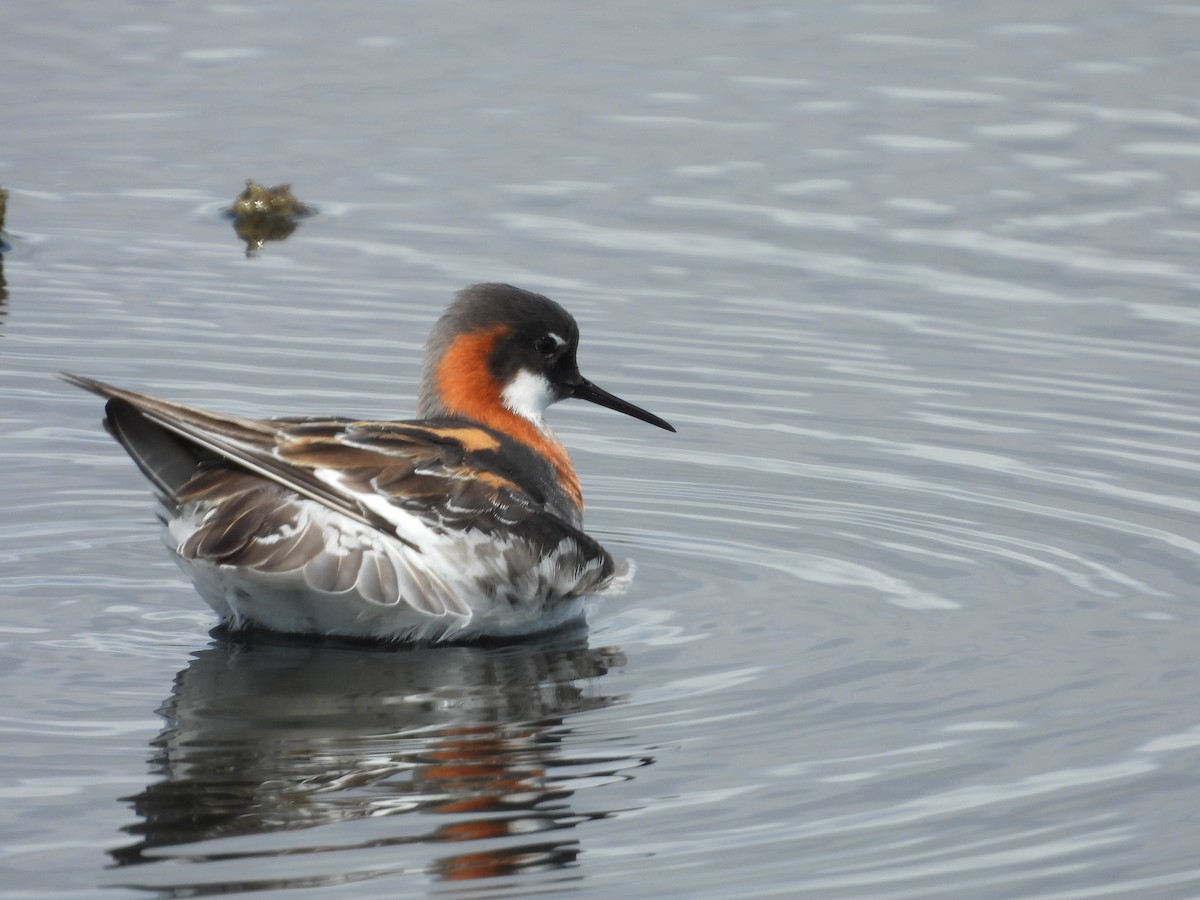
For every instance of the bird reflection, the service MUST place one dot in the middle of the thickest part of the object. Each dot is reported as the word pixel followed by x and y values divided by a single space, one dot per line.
pixel 274 739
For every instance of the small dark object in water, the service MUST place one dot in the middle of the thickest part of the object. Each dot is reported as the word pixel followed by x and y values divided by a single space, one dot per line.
pixel 262 214
pixel 4 247
pixel 257 200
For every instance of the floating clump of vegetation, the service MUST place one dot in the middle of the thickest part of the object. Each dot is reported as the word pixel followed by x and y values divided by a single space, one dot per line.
pixel 279 200
pixel 262 214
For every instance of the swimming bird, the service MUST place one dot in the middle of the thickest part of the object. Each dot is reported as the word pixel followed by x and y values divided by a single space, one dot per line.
pixel 464 523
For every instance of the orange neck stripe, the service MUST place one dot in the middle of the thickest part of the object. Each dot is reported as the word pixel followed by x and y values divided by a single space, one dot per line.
pixel 468 388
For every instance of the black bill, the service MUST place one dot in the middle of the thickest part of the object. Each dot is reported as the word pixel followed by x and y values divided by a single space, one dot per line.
pixel 585 390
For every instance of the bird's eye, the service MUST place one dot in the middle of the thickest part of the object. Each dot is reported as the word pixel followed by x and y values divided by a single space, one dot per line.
pixel 546 346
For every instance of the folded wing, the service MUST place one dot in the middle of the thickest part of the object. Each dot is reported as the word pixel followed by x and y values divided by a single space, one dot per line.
pixel 387 512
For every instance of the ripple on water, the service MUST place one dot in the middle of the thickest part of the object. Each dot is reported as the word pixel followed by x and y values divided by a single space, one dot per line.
pixel 914 613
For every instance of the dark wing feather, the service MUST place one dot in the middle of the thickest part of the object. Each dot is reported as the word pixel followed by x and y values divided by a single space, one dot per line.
pixel 247 442
pixel 441 474
pixel 450 474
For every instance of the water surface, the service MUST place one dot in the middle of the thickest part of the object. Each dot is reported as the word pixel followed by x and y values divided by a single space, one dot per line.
pixel 915 612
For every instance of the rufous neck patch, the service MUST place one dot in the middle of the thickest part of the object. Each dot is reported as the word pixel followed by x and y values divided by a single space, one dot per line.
pixel 467 388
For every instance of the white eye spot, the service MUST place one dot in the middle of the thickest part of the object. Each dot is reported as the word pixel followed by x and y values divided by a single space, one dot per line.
pixel 528 395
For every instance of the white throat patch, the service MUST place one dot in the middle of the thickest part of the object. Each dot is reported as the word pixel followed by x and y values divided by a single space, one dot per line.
pixel 528 395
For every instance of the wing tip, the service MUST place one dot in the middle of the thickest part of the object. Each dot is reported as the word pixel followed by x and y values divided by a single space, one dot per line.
pixel 83 381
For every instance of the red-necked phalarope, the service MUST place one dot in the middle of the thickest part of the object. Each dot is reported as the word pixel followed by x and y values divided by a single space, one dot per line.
pixel 464 523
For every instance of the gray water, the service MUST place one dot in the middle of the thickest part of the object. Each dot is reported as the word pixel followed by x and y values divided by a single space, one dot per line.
pixel 916 605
